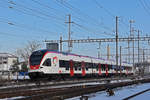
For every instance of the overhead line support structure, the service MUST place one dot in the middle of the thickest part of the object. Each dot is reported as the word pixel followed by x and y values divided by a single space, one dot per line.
pixel 146 38
pixel 69 33
pixel 117 42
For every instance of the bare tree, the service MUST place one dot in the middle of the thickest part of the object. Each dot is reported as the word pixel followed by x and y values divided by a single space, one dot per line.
pixel 24 53
pixel 15 68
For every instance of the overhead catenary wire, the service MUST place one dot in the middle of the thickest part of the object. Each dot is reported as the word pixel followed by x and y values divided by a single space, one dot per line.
pixel 74 9
pixel 44 5
pixel 35 11
pixel 100 6
pixel 109 13
pixel 85 28
pixel 32 12
pixel 144 7
pixel 34 15
pixel 27 11
pixel 23 26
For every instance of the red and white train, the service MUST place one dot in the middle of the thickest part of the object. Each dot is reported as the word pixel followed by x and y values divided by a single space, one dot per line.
pixel 52 65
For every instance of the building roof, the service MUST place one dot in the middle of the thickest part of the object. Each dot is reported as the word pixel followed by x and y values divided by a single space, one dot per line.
pixel 8 55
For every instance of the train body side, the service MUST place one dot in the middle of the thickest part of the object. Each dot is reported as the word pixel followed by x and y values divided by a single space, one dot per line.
pixel 54 64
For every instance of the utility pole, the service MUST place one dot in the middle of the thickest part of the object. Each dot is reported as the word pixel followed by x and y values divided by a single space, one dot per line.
pixel 99 48
pixel 133 51
pixel 143 55
pixel 132 36
pixel 117 43
pixel 138 46
pixel 69 33
pixel 60 43
pixel 128 49
pixel 108 52
pixel 120 59
pixel 143 61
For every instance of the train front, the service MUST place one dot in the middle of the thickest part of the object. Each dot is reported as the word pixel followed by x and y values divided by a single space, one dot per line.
pixel 34 63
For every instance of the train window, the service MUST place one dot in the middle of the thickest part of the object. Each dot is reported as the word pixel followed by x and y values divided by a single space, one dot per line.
pixel 95 65
pixel 97 69
pixel 67 68
pixel 109 67
pixel 75 68
pixel 103 67
pixel 79 64
pixel 75 64
pixel 36 57
pixel 63 63
pixel 89 65
pixel 79 68
pixel 87 69
pixel 47 62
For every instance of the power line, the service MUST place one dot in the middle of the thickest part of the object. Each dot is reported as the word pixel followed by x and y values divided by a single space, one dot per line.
pixel 13 35
pixel 69 6
pixel 30 14
pixel 108 12
pixel 35 11
pixel 144 7
pixel 87 29
pixel 23 26
pixel 146 4
pixel 26 11
pixel 44 5
pixel 100 6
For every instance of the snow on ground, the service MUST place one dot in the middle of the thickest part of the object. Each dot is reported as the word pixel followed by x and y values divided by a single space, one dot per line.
pixel 145 96
pixel 20 77
pixel 15 77
pixel 121 93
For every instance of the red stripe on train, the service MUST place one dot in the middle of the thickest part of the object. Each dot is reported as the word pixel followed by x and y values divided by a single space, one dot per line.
pixel 34 67
pixel 99 66
pixel 106 69
pixel 83 68
pixel 71 68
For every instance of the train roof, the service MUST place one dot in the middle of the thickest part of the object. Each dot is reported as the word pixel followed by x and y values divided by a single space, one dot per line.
pixel 66 53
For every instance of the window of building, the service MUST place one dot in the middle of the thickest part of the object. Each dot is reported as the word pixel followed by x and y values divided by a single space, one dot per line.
pixel 5 62
pixel 47 62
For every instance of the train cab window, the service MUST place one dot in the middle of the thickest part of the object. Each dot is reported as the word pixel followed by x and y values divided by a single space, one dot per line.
pixel 47 62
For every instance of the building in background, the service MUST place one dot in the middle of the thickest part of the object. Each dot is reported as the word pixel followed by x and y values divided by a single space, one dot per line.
pixel 6 61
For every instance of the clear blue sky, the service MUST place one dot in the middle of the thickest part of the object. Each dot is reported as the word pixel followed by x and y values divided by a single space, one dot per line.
pixel 25 20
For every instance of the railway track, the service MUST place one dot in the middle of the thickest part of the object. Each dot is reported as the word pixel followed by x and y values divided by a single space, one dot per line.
pixel 136 94
pixel 63 92
pixel 27 83
pixel 32 85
